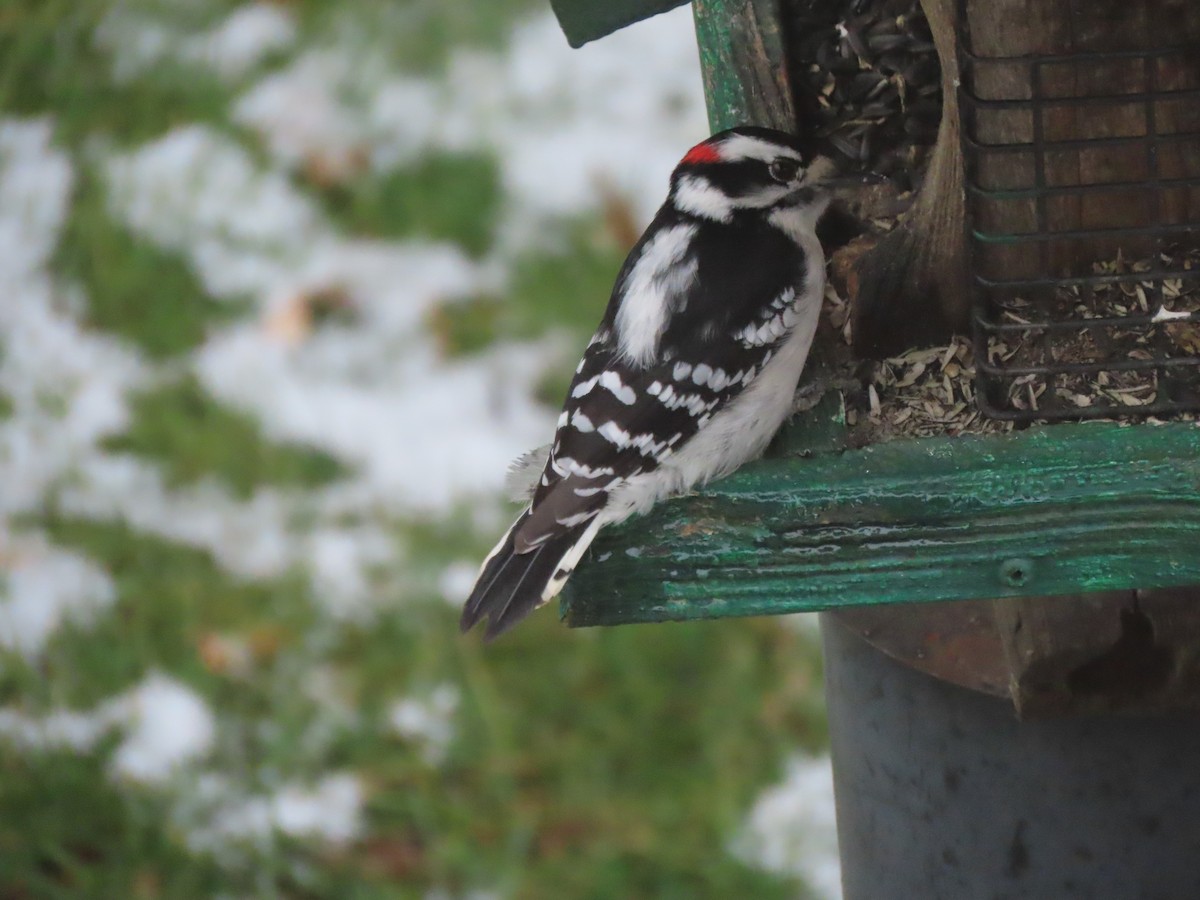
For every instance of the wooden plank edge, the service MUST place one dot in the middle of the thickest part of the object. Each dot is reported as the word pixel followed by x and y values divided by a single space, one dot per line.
pixel 935 519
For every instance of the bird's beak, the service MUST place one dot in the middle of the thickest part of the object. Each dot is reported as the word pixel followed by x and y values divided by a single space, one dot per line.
pixel 849 182
pixel 822 173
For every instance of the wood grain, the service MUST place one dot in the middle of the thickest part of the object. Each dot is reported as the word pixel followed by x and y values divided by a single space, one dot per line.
pixel 743 64
pixel 1059 510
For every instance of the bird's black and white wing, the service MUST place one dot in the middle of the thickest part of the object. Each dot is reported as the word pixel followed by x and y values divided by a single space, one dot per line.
pixel 696 318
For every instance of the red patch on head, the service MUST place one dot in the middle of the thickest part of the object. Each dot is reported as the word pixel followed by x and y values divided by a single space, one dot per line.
pixel 702 153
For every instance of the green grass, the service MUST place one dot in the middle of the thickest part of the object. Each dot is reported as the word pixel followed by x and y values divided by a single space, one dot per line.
pixel 564 286
pixel 601 763
pixel 417 35
pixel 605 763
pixel 190 435
pixel 49 63
pixel 134 289
pixel 169 597
pixel 622 774
pixel 79 838
pixel 454 197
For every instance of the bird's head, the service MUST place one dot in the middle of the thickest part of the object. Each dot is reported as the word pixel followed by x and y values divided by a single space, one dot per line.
pixel 749 169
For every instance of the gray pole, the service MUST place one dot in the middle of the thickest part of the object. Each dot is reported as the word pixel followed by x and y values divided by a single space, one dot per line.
pixel 943 795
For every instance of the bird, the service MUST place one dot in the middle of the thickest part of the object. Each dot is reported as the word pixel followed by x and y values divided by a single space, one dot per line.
pixel 693 366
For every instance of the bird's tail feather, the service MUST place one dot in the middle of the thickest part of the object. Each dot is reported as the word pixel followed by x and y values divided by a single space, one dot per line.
pixel 511 585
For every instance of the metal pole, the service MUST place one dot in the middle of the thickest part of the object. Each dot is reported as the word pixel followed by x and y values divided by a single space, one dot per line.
pixel 943 795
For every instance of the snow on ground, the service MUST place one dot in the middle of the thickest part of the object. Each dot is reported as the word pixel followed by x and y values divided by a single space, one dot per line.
pixel 195 191
pixel 457 579
pixel 421 434
pixel 566 125
pixel 166 725
pixel 792 828
pixel 216 815
pixel 428 722
pixel 139 39
pixel 41 588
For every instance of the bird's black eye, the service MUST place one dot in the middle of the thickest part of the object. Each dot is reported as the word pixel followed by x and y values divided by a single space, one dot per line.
pixel 784 169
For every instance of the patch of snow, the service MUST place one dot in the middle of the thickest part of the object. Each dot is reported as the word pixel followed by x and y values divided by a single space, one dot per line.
pixel 247 36
pixel 198 193
pixel 428 721
pixel 35 190
pixel 566 125
pixel 217 815
pixel 41 588
pixel 249 538
pixel 792 828
pixel 138 40
pixel 61 729
pixel 456 581
pixel 135 41
pixel 166 725
pixel 304 112
pixel 424 434
pixel 66 385
pixel 265 536
pixel 67 388
pixel 340 561
pixel 330 810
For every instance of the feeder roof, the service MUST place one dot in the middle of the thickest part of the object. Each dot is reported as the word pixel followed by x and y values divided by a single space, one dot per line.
pixel 587 20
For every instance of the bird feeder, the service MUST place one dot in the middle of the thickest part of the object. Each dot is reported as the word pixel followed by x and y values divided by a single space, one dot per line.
pixel 1058 225
pixel 1072 238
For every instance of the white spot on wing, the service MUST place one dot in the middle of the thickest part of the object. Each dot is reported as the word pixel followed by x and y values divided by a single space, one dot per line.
pixel 611 381
pixel 614 434
pixel 584 387
pixel 567 466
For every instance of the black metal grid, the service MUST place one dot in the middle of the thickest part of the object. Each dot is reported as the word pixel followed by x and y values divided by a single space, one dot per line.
pixel 1068 320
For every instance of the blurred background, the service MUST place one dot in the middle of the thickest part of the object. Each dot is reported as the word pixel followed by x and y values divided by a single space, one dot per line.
pixel 284 286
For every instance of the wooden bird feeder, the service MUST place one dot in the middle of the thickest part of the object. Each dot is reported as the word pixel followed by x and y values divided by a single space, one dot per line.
pixel 1062 172
pixel 1058 225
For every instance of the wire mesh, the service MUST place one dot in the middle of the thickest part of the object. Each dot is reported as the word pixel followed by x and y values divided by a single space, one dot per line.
pixel 1083 229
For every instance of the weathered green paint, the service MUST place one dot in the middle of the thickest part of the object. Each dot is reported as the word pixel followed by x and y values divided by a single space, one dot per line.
pixel 742 63
pixel 1063 509
pixel 587 20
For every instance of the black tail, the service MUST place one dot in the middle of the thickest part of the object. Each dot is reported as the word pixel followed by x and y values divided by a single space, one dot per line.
pixel 511 585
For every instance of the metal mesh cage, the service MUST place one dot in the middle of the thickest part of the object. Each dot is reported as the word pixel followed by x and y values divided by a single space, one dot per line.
pixel 1083 228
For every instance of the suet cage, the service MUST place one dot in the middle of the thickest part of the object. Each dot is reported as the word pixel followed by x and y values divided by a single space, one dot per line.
pixel 1083 208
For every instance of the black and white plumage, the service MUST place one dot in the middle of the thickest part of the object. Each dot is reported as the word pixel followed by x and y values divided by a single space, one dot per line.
pixel 692 369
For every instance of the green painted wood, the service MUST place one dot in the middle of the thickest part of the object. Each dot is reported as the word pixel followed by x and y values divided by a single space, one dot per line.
pixel 1064 509
pixel 742 64
pixel 588 20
